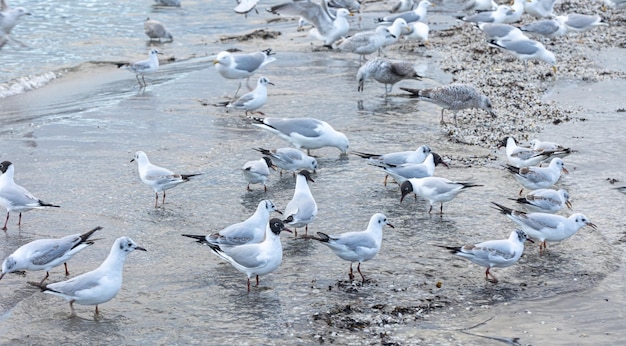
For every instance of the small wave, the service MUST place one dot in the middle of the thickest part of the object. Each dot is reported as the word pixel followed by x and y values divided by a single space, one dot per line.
pixel 28 83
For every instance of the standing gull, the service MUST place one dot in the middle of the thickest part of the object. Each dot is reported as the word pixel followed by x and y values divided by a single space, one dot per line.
pixel 454 97
pixel 45 254
pixel 14 197
pixel 403 172
pixel 501 31
pixel 357 246
pixel 395 29
pixel 156 30
pixel 526 50
pixel 144 67
pixel 418 14
pixel 539 8
pixel 575 22
pixel 417 31
pixel 522 156
pixel 539 177
pixel 8 20
pixel 545 200
pixel 302 209
pixel 364 43
pixel 158 178
pixel 517 9
pixel 98 286
pixel 304 133
pixel 493 253
pixel 396 158
pixel 290 159
pixel 254 99
pixel 385 71
pixel 241 65
pixel 257 172
pixel 434 189
pixel 497 16
pixel 548 27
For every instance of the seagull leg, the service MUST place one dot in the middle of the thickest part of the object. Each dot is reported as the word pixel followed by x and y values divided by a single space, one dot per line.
pixel 44 279
pixel 248 188
pixel 385 181
pixel 350 275
pixel 358 268
pixel 239 87
pixel 431 209
pixel 19 220
pixel 5 222
pixel 455 123
pixel 442 122
pixel 493 278
pixel 72 308
pixel 265 187
pixel 156 199
pixel 67 273
pixel 257 281
pixel 97 312
pixel 144 81
pixel 441 209
pixel 138 81
pixel 248 284
pixel 306 229
pixel 163 203
pixel 520 191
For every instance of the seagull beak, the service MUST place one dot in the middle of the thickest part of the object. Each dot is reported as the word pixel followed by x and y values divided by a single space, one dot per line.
pixel 278 211
pixel 285 229
pixel 215 62
pixel 554 69
pixel 569 205
pixel 351 14
pixel 270 83
pixel 133 160
pixel 390 225
pixel 592 225
pixel 140 248
pixel 530 240
pixel 565 170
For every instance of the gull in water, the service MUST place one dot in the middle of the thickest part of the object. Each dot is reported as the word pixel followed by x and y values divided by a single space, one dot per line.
pixel 545 227
pixel 575 22
pixel 548 27
pixel 359 246
pixel 497 16
pixel 328 27
pixel 16 198
pixel 545 200
pixel 241 65
pixel 254 99
pixel 555 149
pixel 434 189
pixel 173 3
pixel 396 158
pixel 257 258
pixel 417 15
pixel 257 172
pixel 493 253
pixel 304 133
pixel 402 6
pixel 249 231
pixel 501 31
pixel 480 5
pixel 301 210
pixel 8 20
pixel 403 172
pixel 539 177
pixel 158 178
pixel 454 97
pixel 540 8
pixel 366 42
pixel 385 71
pixel 522 156
pixel 526 50
pixel 98 286
pixel 144 67
pixel 156 30
pixel 45 254
pixel 290 159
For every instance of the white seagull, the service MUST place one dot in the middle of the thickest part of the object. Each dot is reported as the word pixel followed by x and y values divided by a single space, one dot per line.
pixel 302 209
pixel 257 171
pixel 290 159
pixel 254 99
pixel 526 50
pixel 418 31
pixel 434 189
pixel 522 156
pixel 357 246
pixel 501 31
pixel 156 30
pixel 539 177
pixel 14 197
pixel 366 42
pixel 385 71
pixel 480 5
pixel 241 65
pixel 418 14
pixel 158 178
pixel 250 231
pixel 575 22
pixel 45 254
pixel 256 259
pixel 304 133
pixel 144 67
pixel 517 9
pixel 98 286
pixel 493 253
pixel 403 172
pixel 544 226
pixel 539 8
pixel 8 20
pixel 497 16
pixel 557 149
pixel 545 200
pixel 396 158
pixel 402 6
pixel 548 27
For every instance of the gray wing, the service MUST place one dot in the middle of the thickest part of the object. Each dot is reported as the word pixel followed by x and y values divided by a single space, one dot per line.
pixel 353 240
pixel 305 126
pixel 580 21
pixel 525 47
pixel 496 30
pixel 243 99
pixel 53 249
pixel 409 170
pixel 18 195
pixel 249 62
pixel 409 16
pixel 76 284
pixel 140 66
pixel 483 17
pixel 402 69
pixel 245 255
pixel 314 13
pixel 542 27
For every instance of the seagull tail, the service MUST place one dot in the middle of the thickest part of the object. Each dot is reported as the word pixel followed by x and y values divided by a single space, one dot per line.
pixel 504 210
pixel 187 176
pixel 44 204
pixel 363 155
pixel 199 238
pixel 512 169
pixel 494 43
pixel 466 185
pixel 263 151
pixel 86 235
pixel 322 237
pixel 521 200
pixel 453 249
pixel 414 92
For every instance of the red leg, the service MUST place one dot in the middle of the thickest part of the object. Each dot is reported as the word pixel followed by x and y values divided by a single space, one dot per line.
pixel 19 220
pixel 358 268
pixel 72 307
pixel 67 273
pixel 385 181
pixel 248 284
pixel 257 281
pixel 97 312
pixel 5 222
pixel 163 203
pixel 441 209
pixel 351 275
pixel 44 279
pixel 156 199
pixel 431 209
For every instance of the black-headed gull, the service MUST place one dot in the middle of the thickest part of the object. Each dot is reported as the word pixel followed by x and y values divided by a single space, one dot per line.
pixel 304 133
pixel 241 65
pixel 496 16
pixel 258 258
pixel 545 200
pixel 290 159
pixel 385 71
pixel 257 171
pixel 249 231
pixel 521 156
pixel 155 30
pixel 544 226
pixel 434 189
pixel 556 150
pixel 45 254
pixel 357 246
pixel 144 67
pixel 400 173
pixel 454 97
pixel 14 197
pixel 158 178
pixel 418 14
pixel 302 209
pixel 97 286
pixel 493 253
pixel 396 158
pixel 254 99
pixel 539 177
pixel 526 50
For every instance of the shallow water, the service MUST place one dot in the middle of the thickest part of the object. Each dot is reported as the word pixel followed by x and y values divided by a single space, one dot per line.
pixel 71 143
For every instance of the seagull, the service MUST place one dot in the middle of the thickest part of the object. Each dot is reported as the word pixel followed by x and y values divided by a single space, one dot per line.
pixel 544 226
pixel 290 159
pixel 539 177
pixel 545 200
pixel 575 22
pixel 145 67
pixel 250 231
pixel 366 42
pixel 526 50
pixel 402 6
pixel 241 65
pixel 517 9
pixel 301 210
pixel 304 133
pixel 434 189
pixel 417 15
pixel 158 178
pixel 256 259
pixel 8 20
pixel 497 16
pixel 548 27
pixel 257 172
pixel 388 72
pixel 357 246
pixel 501 31
pixel 156 30
pixel 395 29
pixel 417 31
pixel 245 6
pixel 328 27
pixel 555 149
pixel 521 156
pixel 403 172
pixel 174 3
pixel 493 253
pixel 480 5
pixel 396 158
pixel 454 97
pixel 45 254
pixel 98 286
pixel 254 99
pixel 14 197
pixel 539 8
